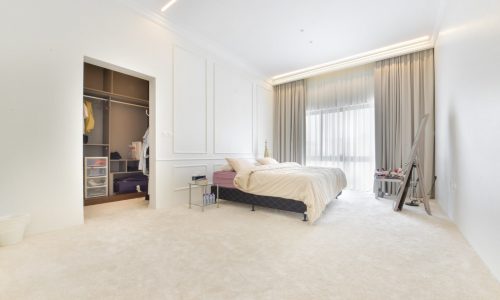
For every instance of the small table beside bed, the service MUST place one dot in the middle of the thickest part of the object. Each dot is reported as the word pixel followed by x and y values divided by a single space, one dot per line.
pixel 284 186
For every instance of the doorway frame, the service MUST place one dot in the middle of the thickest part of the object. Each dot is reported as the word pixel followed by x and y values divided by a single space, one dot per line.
pixel 151 125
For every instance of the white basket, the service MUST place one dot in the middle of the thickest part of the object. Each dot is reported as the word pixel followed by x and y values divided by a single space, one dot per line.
pixel 12 228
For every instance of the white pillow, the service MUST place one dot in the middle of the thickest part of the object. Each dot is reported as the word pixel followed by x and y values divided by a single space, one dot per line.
pixel 239 164
pixel 267 161
pixel 226 167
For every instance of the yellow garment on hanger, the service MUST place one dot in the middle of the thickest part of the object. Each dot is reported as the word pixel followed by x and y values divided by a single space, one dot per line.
pixel 89 122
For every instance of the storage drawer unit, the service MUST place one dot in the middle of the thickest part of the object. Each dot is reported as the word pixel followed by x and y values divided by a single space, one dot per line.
pixel 96 182
pixel 96 172
pixel 96 192
pixel 96 177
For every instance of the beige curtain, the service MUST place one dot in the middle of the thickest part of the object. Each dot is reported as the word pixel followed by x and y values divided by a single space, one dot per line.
pixel 404 93
pixel 289 122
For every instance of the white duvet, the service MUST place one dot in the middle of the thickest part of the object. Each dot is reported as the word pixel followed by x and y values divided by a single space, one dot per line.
pixel 315 186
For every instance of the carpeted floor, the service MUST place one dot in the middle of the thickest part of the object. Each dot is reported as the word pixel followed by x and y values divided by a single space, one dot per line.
pixel 359 249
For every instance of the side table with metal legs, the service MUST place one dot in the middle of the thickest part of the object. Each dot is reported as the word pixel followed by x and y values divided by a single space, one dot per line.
pixel 203 189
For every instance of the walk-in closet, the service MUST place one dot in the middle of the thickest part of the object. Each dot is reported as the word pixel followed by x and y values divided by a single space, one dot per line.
pixel 115 135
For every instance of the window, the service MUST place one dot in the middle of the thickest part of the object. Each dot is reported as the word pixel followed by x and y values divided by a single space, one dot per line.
pixel 340 126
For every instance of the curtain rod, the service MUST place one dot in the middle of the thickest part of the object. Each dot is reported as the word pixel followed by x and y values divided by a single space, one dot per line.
pixel 114 101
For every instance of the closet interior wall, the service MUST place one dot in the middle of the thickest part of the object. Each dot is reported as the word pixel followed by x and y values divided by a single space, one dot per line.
pixel 120 104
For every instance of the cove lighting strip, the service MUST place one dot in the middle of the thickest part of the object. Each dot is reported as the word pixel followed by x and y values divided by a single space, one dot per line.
pixel 406 47
pixel 169 3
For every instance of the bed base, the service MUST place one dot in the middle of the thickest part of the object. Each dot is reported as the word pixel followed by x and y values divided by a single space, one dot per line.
pixel 264 201
pixel 304 213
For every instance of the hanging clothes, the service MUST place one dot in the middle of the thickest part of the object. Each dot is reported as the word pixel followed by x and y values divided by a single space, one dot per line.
pixel 85 117
pixel 145 154
pixel 137 153
pixel 89 121
pixel 85 112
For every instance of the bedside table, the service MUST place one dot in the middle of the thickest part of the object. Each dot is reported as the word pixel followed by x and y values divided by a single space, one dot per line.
pixel 203 188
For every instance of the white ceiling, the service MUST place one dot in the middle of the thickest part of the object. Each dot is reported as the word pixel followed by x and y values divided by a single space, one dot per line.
pixel 279 36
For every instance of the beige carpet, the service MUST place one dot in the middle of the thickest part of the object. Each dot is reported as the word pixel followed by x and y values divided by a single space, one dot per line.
pixel 360 249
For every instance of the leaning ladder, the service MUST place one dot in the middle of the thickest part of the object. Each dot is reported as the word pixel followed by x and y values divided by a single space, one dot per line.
pixel 414 164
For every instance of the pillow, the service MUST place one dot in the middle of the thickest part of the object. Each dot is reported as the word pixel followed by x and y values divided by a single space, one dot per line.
pixel 267 161
pixel 226 167
pixel 239 164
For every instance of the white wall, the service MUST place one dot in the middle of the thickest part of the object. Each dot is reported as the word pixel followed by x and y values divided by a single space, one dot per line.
pixel 468 123
pixel 43 47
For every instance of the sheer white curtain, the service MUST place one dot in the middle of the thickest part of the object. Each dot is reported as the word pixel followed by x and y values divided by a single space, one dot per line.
pixel 340 124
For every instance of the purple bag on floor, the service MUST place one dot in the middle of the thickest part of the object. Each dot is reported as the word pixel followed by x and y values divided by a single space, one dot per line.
pixel 129 184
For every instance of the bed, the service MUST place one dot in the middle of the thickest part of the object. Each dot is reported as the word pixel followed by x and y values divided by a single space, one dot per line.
pixel 285 186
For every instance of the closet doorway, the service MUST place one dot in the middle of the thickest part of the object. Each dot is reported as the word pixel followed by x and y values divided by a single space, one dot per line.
pixel 116 134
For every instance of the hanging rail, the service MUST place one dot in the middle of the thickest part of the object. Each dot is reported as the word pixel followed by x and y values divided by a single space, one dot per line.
pixel 114 101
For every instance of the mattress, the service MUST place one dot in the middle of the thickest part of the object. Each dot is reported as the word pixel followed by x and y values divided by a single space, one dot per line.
pixel 224 179
pixel 314 186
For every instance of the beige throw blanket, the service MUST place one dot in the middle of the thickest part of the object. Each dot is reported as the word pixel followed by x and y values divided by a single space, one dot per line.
pixel 315 186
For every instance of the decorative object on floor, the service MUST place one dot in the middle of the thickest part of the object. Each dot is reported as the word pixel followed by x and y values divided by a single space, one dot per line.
pixel 266 151
pixel 12 228
pixel 413 199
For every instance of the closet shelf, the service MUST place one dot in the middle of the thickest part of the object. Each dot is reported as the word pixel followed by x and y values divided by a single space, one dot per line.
pixel 113 96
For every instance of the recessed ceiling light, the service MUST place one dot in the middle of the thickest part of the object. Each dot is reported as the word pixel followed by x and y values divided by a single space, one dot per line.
pixel 169 3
